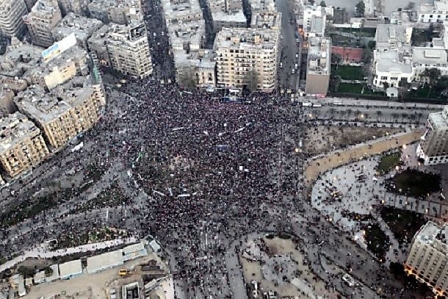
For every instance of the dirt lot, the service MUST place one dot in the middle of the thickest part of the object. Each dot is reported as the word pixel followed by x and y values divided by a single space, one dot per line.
pixel 322 139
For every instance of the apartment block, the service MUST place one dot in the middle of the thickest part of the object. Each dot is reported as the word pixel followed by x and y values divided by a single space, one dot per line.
pixel 433 147
pixel 64 112
pixel 199 64
pixel 9 87
pixel 227 13
pixel 81 27
pixel 44 16
pixel 78 7
pixel 11 17
pixel 267 19
pixel 428 257
pixel 127 48
pixel 246 54
pixel 21 144
pixel 19 58
pixel 121 12
pixel 318 66
pixel 181 11
pixel 261 5
pixel 314 21
pixel 433 11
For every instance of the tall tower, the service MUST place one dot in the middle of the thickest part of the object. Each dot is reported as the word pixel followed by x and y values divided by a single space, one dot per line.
pixel 11 13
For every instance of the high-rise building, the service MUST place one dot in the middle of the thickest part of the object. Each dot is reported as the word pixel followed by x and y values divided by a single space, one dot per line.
pixel 81 27
pixel 44 16
pixel 227 13
pixel 11 17
pixel 247 57
pixel 21 144
pixel 65 111
pixel 318 66
pixel 428 257
pixel 314 20
pixel 122 12
pixel 433 147
pixel 127 48
pixel 79 7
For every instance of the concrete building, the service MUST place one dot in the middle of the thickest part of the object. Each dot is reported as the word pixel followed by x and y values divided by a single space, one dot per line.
pixel 199 65
pixel 428 257
pixel 6 102
pixel 427 58
pixel 79 7
pixel 181 11
pixel 267 19
pixel 21 144
pixel 11 17
pixel 433 147
pixel 314 20
pixel 127 48
pixel 19 58
pixel 121 12
pixel 318 66
pixel 81 27
pixel 227 13
pixel 433 11
pixel 65 111
pixel 44 16
pixel 246 56
pixel 261 5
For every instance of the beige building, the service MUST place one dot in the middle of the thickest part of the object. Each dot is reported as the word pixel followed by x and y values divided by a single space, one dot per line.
pixel 127 48
pixel 428 257
pixel 11 17
pixel 19 58
pixel 247 56
pixel 318 66
pixel 81 27
pixel 121 12
pixel 433 147
pixel 6 102
pixel 97 44
pixel 267 19
pixel 44 16
pixel 65 112
pixel 21 144
pixel 227 13
pixel 79 7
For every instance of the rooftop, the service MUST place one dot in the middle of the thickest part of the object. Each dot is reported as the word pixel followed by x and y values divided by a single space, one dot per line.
pixel 44 107
pixel 82 27
pixel 392 62
pixel 222 16
pixel 319 59
pixel 431 233
pixel 18 58
pixel 247 38
pixel 115 3
pixel 186 8
pixel 428 56
pixel 439 120
pixel 262 5
pixel 44 8
pixel 266 19
pixel 392 35
pixel 14 128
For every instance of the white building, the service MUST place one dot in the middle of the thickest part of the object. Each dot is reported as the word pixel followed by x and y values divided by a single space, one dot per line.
pixel 243 52
pixel 433 11
pixel 227 13
pixel 314 20
pixel 427 58
pixel 428 257
pixel 433 147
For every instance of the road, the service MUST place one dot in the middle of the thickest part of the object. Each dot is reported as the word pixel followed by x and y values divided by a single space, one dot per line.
pixel 289 49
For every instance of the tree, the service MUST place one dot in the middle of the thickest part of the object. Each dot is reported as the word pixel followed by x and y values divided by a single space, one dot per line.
pixel 378 114
pixel 251 80
pixel 360 9
pixel 432 75
pixel 323 4
pixel 187 78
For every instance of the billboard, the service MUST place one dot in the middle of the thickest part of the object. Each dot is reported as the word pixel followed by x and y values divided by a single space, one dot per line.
pixel 137 31
pixel 59 47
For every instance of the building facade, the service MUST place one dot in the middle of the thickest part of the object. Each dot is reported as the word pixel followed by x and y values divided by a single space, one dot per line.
pixel 433 11
pixel 121 12
pixel 79 7
pixel 433 147
pixel 11 17
pixel 21 144
pixel 44 16
pixel 428 257
pixel 247 56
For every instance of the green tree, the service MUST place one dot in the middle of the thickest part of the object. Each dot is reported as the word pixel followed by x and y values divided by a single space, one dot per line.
pixel 360 9
pixel 187 78
pixel 378 114
pixel 252 80
pixel 432 75
pixel 323 4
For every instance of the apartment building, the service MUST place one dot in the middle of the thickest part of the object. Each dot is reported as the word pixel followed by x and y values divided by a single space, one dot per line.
pixel 246 54
pixel 78 7
pixel 121 12
pixel 199 64
pixel 44 16
pixel 267 19
pixel 433 147
pixel 11 17
pixel 227 13
pixel 124 47
pixel 65 111
pixel 81 27
pixel 433 11
pixel 261 5
pixel 314 20
pixel 318 66
pixel 19 58
pixel 21 144
pixel 181 11
pixel 9 87
pixel 428 257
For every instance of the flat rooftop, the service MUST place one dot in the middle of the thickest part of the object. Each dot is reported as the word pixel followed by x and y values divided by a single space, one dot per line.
pixel 247 39
pixel 82 27
pixel 18 58
pixel 221 16
pixel 14 128
pixel 44 8
pixel 392 62
pixel 116 3
pixel 262 5
pixel 266 19
pixel 439 120
pixel 393 34
pixel 319 55
pixel 429 56
pixel 177 9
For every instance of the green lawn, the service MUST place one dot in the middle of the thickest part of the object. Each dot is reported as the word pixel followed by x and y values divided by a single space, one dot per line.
pixel 403 224
pixel 350 88
pixel 347 72
pixel 388 162
pixel 424 93
pixel 414 183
